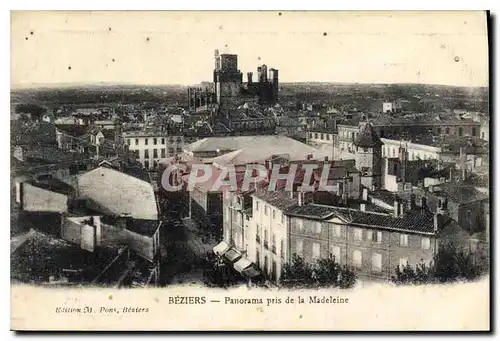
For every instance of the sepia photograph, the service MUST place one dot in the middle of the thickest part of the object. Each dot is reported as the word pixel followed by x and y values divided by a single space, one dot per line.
pixel 167 166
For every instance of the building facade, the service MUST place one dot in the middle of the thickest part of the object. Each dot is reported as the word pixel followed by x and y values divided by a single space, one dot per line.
pixel 153 146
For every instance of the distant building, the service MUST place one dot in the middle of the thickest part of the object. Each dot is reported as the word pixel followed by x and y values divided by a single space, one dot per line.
pixel 369 157
pixel 391 107
pixel 153 146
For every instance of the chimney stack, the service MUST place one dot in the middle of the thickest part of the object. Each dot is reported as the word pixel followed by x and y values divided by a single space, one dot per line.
pixel 301 198
pixel 362 207
pixel 396 208
pixel 365 194
pixel 436 223
pixel 401 209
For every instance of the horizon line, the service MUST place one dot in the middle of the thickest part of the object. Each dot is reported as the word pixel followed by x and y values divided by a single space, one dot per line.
pixel 70 85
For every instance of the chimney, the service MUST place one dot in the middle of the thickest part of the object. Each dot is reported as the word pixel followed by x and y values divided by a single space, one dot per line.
pixel 362 207
pixel 413 202
pixel 301 198
pixel 436 223
pixel 401 209
pixel 462 162
pixel 396 209
pixel 365 194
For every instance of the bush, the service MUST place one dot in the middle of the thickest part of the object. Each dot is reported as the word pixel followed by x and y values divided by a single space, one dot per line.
pixel 448 265
pixel 325 273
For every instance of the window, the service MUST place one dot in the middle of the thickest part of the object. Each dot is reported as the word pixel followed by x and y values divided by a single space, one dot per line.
pixel 282 249
pixel 146 142
pixel 447 131
pixel 365 171
pixel 282 218
pixel 179 149
pixel 365 150
pixel 426 243
pixel 257 206
pixel 128 142
pixel 460 131
pixel 357 258
pixel 336 253
pixel 439 131
pixel 310 135
pixel 300 224
pixel 146 164
pixel 394 152
pixel 274 214
pixel 155 141
pixel 316 249
pixel 482 135
pixel 265 237
pixel 358 234
pixel 474 131
pixel 318 227
pixel 403 240
pixel 369 235
pixel 322 136
pixel 336 231
pixel 376 262
pixel 265 210
pixel 179 139
pixel 328 137
pixel 257 257
pixel 146 153
pixel 163 152
pixel 377 237
pixel 171 151
pixel 155 153
pixel 298 247
pixel 403 262
pixel 228 213
pixel 273 243
pixel 315 135
pixel 162 140
pixel 136 142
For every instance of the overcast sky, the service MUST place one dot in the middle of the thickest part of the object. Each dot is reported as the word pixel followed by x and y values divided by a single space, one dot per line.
pixel 177 47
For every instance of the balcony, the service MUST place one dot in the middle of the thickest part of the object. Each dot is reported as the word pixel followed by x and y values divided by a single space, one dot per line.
pixel 266 245
pixel 257 239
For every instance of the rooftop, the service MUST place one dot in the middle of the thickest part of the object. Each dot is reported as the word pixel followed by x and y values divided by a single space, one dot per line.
pixel 412 221
pixel 42 258
pixel 368 137
pixel 279 199
pixel 459 193
pixel 266 144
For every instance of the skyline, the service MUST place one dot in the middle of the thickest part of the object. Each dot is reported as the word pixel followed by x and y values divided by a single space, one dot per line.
pixel 152 48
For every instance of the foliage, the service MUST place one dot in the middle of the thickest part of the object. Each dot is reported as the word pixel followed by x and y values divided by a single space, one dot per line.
pixel 325 273
pixel 448 265
pixel 36 111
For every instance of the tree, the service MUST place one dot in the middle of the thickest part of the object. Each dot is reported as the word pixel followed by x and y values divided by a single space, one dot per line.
pixel 325 273
pixel 297 274
pixel 448 265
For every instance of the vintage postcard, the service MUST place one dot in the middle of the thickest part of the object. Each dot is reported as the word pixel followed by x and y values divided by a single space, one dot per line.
pixel 314 171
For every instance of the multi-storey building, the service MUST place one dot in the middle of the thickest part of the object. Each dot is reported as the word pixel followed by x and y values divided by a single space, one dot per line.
pixel 153 146
pixel 372 243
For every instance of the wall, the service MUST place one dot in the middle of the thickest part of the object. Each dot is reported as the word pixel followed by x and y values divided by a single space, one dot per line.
pixel 41 200
pixel 171 144
pixel 142 245
pixel 277 226
pixel 388 247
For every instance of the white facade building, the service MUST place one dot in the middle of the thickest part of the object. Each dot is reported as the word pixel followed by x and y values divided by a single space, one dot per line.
pixel 153 146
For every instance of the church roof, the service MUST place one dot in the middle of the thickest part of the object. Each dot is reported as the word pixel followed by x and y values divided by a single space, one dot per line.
pixel 368 137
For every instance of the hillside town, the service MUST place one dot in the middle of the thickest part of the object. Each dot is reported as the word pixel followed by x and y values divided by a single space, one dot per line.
pixel 89 204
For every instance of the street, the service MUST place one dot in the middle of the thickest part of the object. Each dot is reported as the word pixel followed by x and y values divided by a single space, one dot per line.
pixel 183 247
